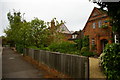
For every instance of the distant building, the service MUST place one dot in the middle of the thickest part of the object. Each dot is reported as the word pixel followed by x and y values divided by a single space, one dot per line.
pixel 76 35
pixel 99 30
pixel 61 29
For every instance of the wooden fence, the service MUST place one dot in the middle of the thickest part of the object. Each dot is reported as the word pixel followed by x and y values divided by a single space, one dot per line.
pixel 72 65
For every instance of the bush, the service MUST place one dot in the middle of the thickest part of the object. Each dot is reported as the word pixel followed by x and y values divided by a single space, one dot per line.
pixel 84 49
pixel 64 47
pixel 19 48
pixel 34 47
pixel 111 61
pixel 85 41
pixel 85 52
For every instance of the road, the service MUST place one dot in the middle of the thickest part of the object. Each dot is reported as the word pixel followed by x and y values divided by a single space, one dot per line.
pixel 14 66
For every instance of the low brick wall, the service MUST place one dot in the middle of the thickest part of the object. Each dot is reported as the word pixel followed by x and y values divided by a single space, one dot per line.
pixel 71 65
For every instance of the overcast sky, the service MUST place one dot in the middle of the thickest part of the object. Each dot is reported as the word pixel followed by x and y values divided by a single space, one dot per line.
pixel 74 12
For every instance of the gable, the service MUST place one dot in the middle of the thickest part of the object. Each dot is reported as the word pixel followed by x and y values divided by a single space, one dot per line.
pixel 95 14
pixel 63 29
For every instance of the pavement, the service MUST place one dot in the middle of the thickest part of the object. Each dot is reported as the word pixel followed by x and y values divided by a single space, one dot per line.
pixel 14 66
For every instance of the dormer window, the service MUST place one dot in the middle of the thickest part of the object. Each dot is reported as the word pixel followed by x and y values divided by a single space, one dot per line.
pixel 94 25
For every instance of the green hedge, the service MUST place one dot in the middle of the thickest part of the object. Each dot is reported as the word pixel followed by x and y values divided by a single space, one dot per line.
pixel 111 61
pixel 85 52
pixel 19 48
pixel 64 47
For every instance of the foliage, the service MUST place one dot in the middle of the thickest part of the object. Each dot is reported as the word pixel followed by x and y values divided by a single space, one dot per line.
pixel 84 49
pixel 33 47
pixel 83 46
pixel 104 26
pixel 111 60
pixel 15 21
pixel 4 40
pixel 85 41
pixel 85 52
pixel 38 32
pixel 33 33
pixel 93 47
pixel 64 47
pixel 78 43
pixel 19 48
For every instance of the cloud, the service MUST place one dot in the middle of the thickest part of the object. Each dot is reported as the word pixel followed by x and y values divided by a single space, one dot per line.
pixel 74 12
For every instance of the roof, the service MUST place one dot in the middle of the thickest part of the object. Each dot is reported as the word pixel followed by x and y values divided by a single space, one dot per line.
pixel 64 29
pixel 100 12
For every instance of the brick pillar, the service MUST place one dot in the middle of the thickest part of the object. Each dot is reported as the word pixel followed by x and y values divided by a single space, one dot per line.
pixel 98 45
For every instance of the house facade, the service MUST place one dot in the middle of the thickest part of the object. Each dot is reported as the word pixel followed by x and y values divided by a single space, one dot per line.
pixel 99 30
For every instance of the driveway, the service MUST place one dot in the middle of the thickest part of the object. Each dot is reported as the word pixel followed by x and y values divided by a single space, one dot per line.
pixel 95 71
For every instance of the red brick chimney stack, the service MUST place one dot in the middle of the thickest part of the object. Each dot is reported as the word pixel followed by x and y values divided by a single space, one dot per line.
pixel 52 24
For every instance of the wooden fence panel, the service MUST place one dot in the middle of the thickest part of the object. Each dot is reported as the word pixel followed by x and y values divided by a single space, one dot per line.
pixel 73 65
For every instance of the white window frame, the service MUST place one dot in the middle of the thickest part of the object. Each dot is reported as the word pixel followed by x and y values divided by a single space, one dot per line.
pixel 94 25
pixel 116 39
pixel 99 23
pixel 93 41
pixel 74 36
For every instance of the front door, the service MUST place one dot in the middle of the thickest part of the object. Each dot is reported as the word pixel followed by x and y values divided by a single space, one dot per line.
pixel 103 43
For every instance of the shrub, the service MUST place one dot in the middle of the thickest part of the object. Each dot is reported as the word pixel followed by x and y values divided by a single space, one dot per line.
pixel 33 47
pixel 111 60
pixel 64 47
pixel 85 41
pixel 84 49
pixel 85 52
pixel 19 48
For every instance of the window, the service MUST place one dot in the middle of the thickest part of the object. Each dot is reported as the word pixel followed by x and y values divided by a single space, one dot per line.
pixel 117 38
pixel 99 23
pixel 105 21
pixel 93 25
pixel 93 41
pixel 63 29
pixel 74 36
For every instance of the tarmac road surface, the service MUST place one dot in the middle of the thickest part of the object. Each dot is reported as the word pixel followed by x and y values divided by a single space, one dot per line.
pixel 14 66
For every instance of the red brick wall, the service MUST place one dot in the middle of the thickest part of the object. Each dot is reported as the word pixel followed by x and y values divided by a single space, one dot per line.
pixel 97 33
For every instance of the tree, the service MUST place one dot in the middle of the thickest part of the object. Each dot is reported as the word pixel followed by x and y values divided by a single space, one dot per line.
pixel 39 32
pixel 15 23
pixel 22 33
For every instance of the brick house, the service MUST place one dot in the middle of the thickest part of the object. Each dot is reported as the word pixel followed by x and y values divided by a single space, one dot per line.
pixel 98 29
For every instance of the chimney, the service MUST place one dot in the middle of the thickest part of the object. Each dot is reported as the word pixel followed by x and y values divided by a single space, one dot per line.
pixel 52 24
